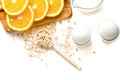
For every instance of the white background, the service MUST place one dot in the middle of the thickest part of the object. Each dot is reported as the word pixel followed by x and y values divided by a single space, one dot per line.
pixel 104 65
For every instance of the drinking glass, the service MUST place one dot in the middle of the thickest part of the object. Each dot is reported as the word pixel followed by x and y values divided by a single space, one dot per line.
pixel 87 5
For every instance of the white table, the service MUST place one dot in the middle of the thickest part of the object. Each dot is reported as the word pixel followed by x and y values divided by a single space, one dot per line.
pixel 103 65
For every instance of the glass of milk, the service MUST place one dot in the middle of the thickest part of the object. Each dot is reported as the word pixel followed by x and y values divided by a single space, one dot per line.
pixel 87 5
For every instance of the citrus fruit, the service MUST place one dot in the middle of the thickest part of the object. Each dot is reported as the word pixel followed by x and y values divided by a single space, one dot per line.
pixel 40 8
pixel 1 5
pixel 22 21
pixel 55 7
pixel 14 7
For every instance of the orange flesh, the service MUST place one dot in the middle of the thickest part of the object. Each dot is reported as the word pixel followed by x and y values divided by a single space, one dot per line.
pixel 0 5
pixel 39 7
pixel 55 6
pixel 14 5
pixel 21 20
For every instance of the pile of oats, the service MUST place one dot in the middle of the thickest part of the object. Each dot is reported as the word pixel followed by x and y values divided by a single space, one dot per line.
pixel 39 39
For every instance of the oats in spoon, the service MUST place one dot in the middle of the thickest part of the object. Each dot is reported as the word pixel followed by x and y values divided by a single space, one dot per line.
pixel 43 38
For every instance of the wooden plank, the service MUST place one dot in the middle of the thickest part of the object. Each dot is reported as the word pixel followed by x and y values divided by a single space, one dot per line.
pixel 65 14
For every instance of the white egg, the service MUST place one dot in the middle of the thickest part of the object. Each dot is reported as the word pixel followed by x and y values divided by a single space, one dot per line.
pixel 108 30
pixel 81 35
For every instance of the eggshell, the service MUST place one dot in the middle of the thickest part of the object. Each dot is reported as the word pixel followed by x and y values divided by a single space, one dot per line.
pixel 108 30
pixel 81 35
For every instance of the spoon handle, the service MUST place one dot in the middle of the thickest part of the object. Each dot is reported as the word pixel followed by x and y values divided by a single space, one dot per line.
pixel 67 58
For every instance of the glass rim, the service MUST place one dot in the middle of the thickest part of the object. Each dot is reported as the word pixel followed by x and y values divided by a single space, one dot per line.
pixel 99 4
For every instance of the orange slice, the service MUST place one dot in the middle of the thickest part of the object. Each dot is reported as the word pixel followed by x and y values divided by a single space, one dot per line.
pixel 22 21
pixel 40 8
pixel 14 7
pixel 1 5
pixel 55 7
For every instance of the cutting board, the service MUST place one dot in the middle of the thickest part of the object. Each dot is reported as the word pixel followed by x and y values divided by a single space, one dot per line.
pixel 65 14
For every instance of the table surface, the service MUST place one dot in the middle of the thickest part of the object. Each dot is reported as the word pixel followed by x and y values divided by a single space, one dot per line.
pixel 99 60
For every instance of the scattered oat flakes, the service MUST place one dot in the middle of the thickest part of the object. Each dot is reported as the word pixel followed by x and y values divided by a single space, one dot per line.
pixel 46 65
pixel 38 37
pixel 75 23
pixel 94 52
pixel 41 60
pixel 79 58
pixel 70 55
pixel 68 21
pixel 80 69
pixel 77 49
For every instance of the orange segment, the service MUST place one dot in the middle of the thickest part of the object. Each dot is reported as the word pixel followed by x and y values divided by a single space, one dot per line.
pixel 22 21
pixel 14 7
pixel 40 8
pixel 1 5
pixel 55 7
